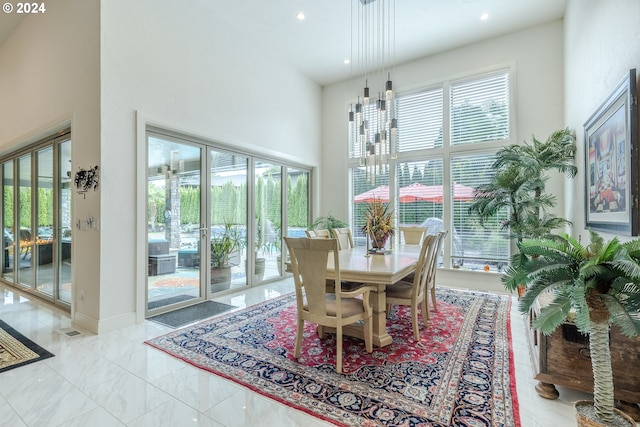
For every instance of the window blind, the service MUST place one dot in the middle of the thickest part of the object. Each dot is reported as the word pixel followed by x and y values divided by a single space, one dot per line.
pixel 480 109
pixel 478 246
pixel 420 122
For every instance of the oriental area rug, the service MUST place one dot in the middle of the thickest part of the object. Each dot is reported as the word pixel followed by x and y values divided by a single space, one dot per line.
pixel 461 373
pixel 17 350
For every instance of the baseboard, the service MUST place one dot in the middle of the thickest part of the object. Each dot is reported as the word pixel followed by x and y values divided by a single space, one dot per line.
pixel 105 325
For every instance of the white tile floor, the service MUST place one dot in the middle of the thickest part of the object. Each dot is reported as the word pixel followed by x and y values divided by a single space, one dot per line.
pixel 114 379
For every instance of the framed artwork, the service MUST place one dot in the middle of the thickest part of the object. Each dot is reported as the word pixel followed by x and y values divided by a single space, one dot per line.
pixel 611 157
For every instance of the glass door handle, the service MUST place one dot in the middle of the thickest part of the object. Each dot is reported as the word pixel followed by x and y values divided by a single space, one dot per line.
pixel 203 232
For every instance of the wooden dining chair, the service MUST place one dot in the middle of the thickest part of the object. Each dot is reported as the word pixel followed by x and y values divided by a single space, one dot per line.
pixel 431 278
pixel 413 294
pixel 413 235
pixel 314 304
pixel 345 239
pixel 318 233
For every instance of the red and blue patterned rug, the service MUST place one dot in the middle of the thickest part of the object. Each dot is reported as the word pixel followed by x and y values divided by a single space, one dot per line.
pixel 461 373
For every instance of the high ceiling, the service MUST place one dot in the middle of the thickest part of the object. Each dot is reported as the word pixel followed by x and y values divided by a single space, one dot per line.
pixel 318 45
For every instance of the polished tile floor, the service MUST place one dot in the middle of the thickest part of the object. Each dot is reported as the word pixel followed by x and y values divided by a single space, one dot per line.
pixel 115 380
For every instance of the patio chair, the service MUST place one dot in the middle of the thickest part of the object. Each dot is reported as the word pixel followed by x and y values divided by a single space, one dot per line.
pixel 413 235
pixel 345 239
pixel 335 310
pixel 413 294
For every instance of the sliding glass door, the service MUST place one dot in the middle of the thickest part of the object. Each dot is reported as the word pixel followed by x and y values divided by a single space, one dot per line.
pixel 228 219
pixel 8 219
pixel 215 219
pixel 62 233
pixel 268 220
pixel 175 232
pixel 36 215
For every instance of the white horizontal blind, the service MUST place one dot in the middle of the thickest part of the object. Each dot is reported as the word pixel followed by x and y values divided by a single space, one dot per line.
pixel 430 149
pixel 420 193
pixel 478 246
pixel 480 109
pixel 420 122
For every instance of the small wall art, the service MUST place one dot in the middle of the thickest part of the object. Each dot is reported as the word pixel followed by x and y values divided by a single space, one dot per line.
pixel 87 179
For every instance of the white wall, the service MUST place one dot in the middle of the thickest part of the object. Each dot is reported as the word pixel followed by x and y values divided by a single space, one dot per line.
pixel 177 65
pixel 602 43
pixel 538 56
pixel 49 79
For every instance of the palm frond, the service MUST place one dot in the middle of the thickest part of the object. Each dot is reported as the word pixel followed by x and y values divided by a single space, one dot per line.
pixel 581 309
pixel 628 321
pixel 633 248
pixel 552 315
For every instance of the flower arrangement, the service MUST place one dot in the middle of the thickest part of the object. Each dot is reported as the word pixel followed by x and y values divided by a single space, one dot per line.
pixel 378 223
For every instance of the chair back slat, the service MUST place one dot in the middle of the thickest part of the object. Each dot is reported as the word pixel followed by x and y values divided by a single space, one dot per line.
pixel 413 235
pixel 345 239
pixel 309 264
pixel 431 274
pixel 425 260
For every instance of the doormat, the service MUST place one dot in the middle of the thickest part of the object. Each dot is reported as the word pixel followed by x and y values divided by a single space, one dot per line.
pixel 460 373
pixel 17 350
pixel 168 301
pixel 193 313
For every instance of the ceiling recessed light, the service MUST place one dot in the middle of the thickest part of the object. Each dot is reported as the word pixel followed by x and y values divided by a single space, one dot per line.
pixel 347 61
pixel 300 16
pixel 484 16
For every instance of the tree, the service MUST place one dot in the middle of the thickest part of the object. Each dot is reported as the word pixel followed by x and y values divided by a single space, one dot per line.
pixel 519 185
pixel 599 282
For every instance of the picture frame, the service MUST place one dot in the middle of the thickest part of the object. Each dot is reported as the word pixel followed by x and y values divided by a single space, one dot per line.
pixel 611 162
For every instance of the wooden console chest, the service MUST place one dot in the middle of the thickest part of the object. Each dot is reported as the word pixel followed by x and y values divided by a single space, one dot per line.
pixel 563 358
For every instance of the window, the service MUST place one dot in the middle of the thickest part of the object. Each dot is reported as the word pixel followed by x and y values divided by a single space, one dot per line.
pixel 421 117
pixel 475 246
pixel 442 155
pixel 480 109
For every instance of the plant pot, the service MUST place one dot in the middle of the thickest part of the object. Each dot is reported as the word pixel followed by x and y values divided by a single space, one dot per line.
pixel 585 414
pixel 379 243
pixel 220 278
pixel 258 269
pixel 279 261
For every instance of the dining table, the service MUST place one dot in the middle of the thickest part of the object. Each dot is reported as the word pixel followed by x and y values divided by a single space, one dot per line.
pixel 376 271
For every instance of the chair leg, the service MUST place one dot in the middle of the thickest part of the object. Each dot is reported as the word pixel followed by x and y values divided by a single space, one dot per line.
pixel 368 334
pixel 296 351
pixel 339 349
pixel 425 308
pixel 433 298
pixel 425 312
pixel 414 323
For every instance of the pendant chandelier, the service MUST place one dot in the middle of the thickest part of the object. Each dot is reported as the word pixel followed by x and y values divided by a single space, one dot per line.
pixel 372 120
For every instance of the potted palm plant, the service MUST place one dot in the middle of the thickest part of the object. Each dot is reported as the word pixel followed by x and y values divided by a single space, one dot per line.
pixel 595 286
pixel 518 186
pixel 221 249
pixel 328 222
